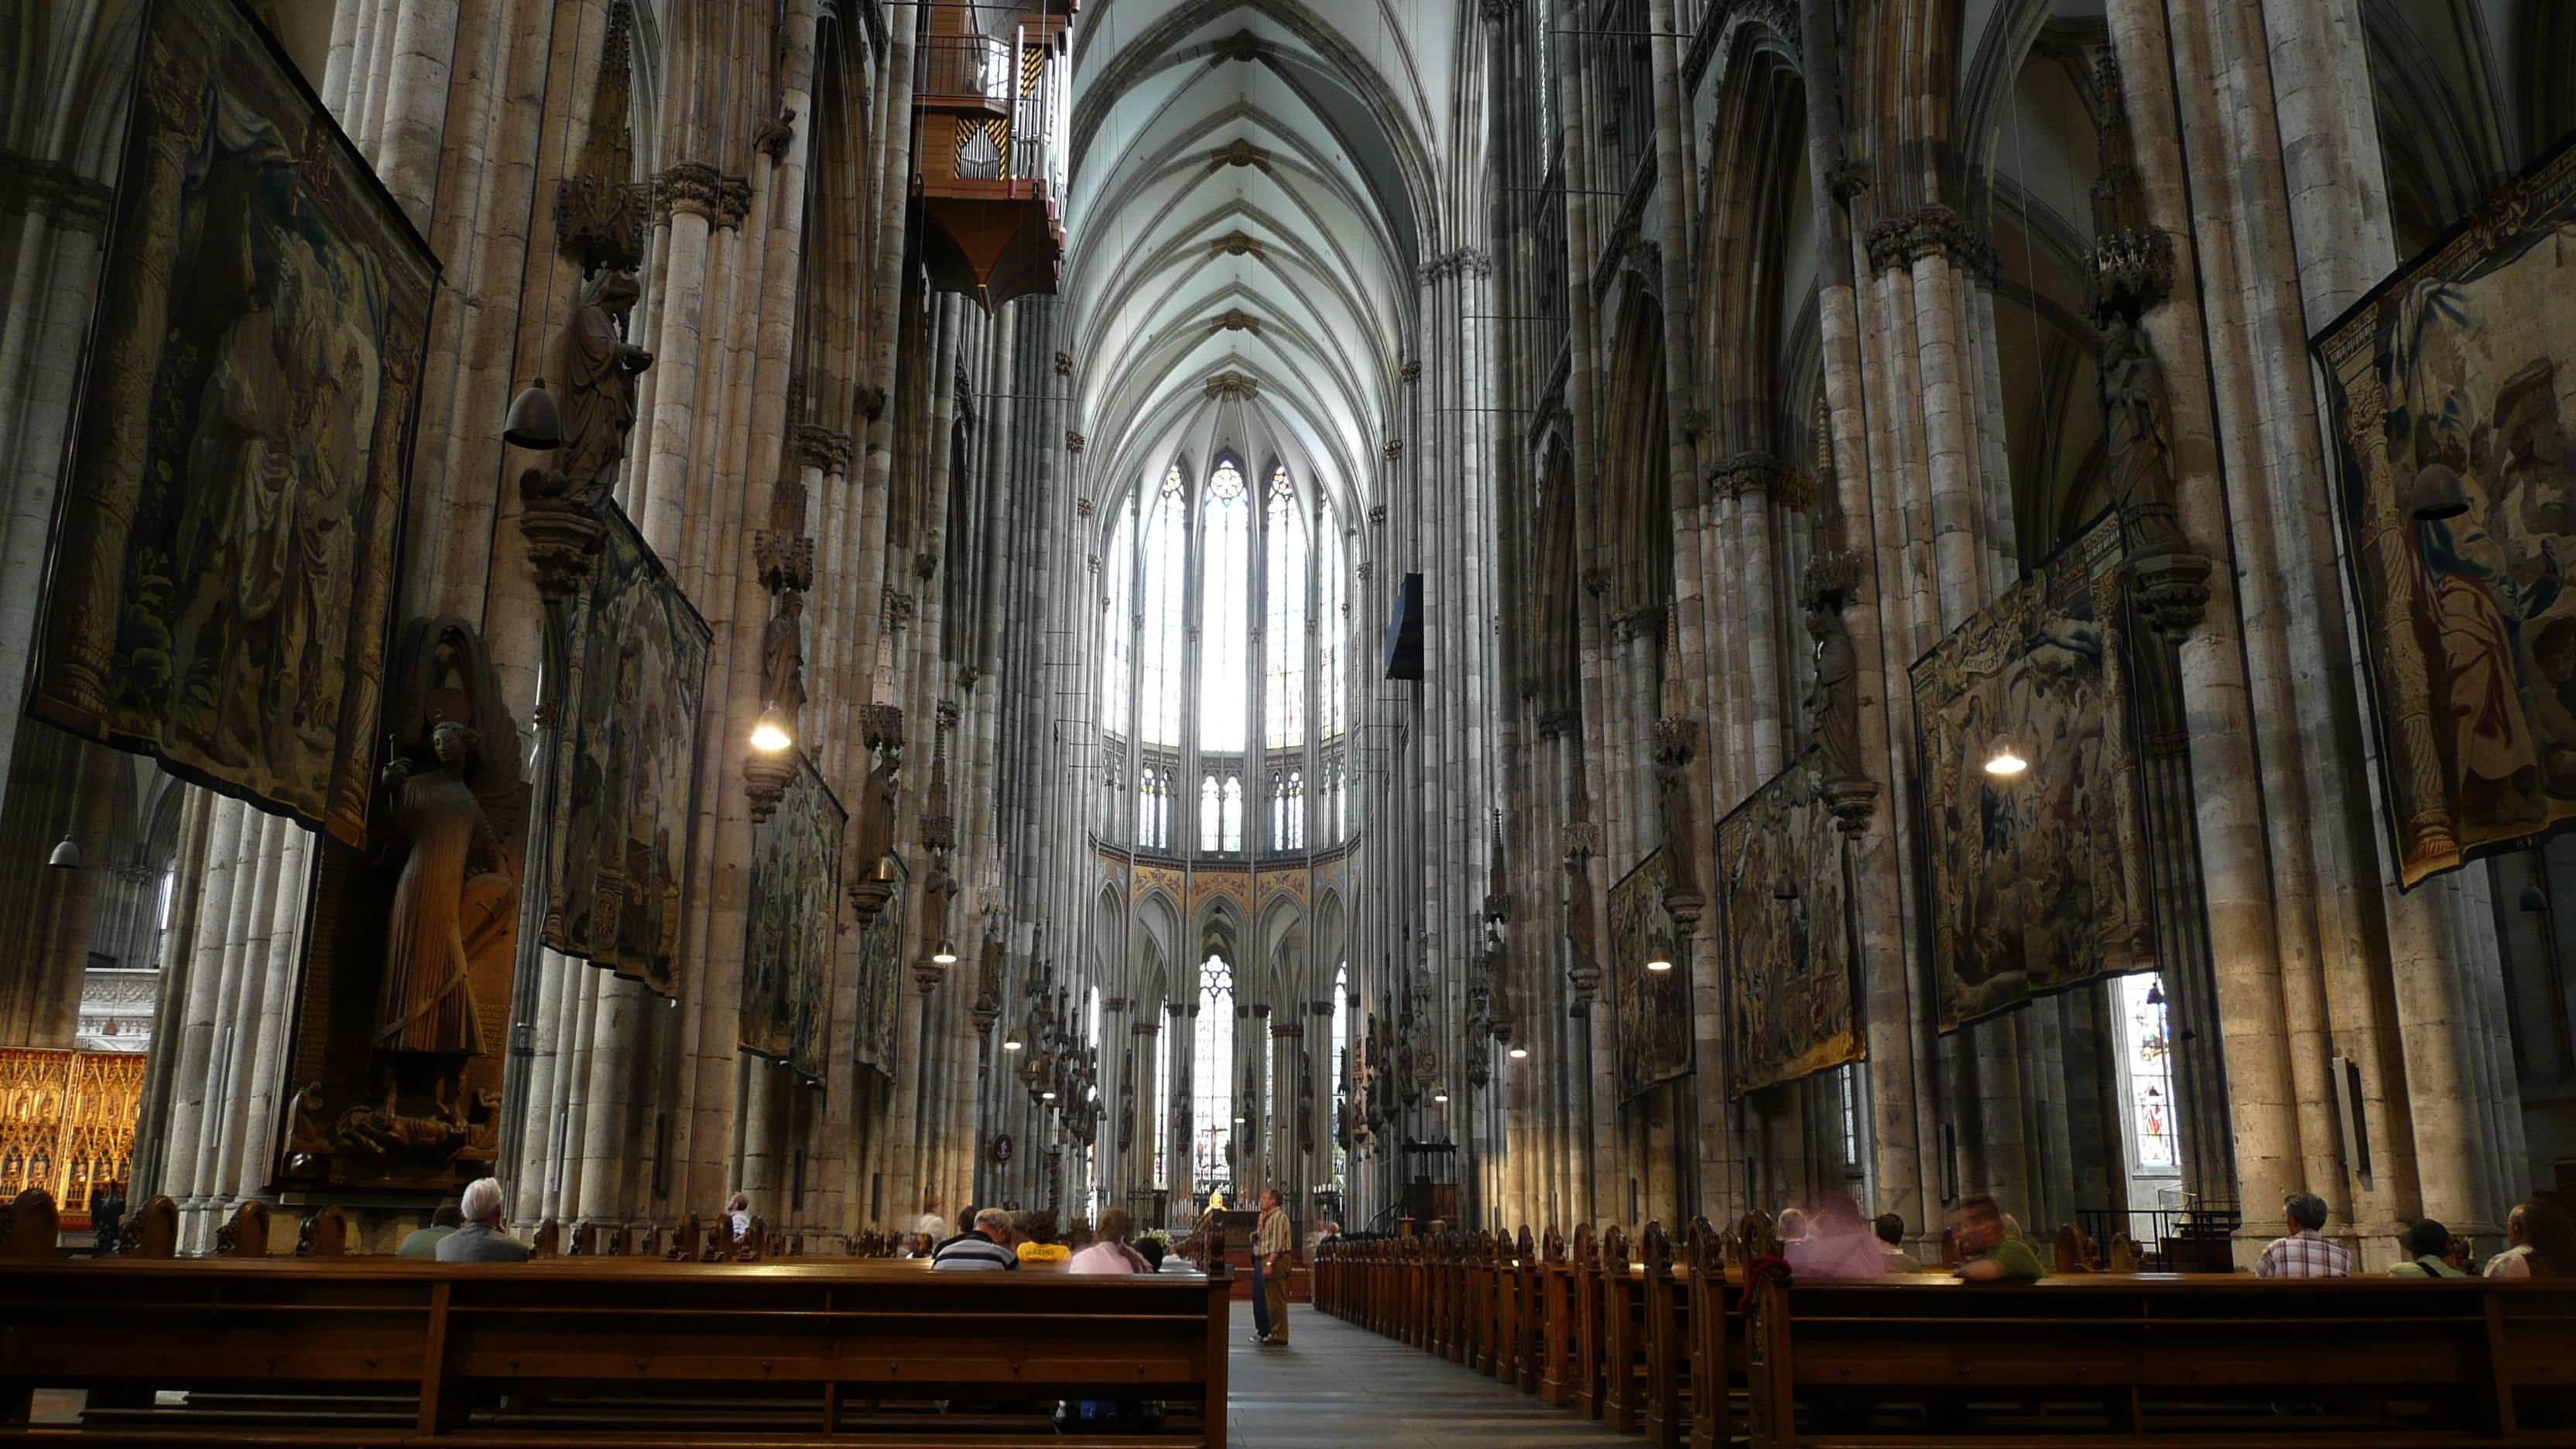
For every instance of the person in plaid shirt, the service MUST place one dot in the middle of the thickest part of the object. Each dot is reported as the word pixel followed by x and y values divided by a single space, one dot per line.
pixel 2304 1253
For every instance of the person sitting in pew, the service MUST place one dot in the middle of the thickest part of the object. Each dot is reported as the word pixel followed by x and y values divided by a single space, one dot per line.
pixel 2305 1253
pixel 985 1248
pixel 1837 1244
pixel 1891 1253
pixel 480 1239
pixel 1110 1252
pixel 443 1222
pixel 2542 1244
pixel 2426 1242
pixel 738 1214
pixel 1988 1254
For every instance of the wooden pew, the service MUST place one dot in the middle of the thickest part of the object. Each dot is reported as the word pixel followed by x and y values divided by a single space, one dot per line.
pixel 1529 1311
pixel 1665 1310
pixel 1716 1334
pixel 1556 1319
pixel 2209 1360
pixel 591 1351
pixel 1622 1334
pixel 1584 1370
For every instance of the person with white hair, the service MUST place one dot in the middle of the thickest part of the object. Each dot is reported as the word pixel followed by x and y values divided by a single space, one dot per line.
pixel 481 1239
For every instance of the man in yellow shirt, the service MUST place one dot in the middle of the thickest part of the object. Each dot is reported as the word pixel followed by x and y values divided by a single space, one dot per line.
pixel 1272 1241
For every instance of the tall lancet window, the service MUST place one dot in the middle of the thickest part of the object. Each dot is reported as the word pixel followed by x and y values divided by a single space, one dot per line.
pixel 1225 646
pixel 1332 703
pixel 1158 715
pixel 1225 587
pixel 1117 621
pixel 1283 625
pixel 1212 1107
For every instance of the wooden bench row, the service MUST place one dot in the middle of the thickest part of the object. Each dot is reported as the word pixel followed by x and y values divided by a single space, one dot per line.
pixel 1644 1340
pixel 30 1225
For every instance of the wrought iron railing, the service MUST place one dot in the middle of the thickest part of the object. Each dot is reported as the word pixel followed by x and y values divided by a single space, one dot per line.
pixel 954 70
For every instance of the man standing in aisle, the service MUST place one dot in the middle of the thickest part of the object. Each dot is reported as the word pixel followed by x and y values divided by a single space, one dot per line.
pixel 1272 1242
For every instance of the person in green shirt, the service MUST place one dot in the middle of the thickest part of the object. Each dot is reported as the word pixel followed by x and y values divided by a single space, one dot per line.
pixel 1988 1253
pixel 423 1242
pixel 2426 1242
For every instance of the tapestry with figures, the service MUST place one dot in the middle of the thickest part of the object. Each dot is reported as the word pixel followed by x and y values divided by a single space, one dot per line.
pixel 224 557
pixel 791 918
pixel 2038 878
pixel 1786 935
pixel 880 974
pixel 625 764
pixel 1652 1008
pixel 2451 388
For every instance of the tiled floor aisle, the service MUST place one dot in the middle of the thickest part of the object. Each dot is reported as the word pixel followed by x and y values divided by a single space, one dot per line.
pixel 1339 1387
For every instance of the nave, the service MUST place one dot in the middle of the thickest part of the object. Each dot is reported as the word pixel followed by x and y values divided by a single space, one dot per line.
pixel 682 645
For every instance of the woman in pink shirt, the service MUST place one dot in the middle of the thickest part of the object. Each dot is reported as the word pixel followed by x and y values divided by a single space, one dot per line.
pixel 1111 1254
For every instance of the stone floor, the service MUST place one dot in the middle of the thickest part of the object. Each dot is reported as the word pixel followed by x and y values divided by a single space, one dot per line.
pixel 1339 1387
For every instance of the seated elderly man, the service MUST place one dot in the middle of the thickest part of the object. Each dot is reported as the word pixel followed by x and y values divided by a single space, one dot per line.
pixel 481 1240
pixel 2305 1252
pixel 987 1248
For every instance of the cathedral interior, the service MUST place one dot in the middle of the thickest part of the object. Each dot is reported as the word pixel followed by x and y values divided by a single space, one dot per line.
pixel 1920 599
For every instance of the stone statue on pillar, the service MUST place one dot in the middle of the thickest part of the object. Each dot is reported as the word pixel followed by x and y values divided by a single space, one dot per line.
pixel 599 368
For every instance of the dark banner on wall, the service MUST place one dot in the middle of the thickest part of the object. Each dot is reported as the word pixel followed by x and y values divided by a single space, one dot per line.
pixel 624 764
pixel 792 918
pixel 1654 1007
pixel 2449 388
pixel 1787 935
pixel 880 977
pixel 224 567
pixel 2038 878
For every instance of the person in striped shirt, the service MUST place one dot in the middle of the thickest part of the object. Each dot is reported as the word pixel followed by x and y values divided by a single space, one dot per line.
pixel 2305 1253
pixel 986 1249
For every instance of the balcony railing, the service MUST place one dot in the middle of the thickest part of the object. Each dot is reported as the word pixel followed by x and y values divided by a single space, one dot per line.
pixel 962 73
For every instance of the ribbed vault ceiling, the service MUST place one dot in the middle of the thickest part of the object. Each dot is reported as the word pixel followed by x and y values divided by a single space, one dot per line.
pixel 1289 264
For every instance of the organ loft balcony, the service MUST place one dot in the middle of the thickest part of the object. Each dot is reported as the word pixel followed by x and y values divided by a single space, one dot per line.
pixel 990 106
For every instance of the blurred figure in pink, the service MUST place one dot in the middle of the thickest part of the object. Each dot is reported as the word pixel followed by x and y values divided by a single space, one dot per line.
pixel 1838 1243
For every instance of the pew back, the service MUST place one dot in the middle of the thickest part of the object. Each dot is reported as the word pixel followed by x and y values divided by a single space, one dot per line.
pixel 452 1337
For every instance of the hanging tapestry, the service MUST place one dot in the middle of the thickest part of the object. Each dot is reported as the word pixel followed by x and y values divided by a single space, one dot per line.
pixel 880 976
pixel 625 764
pixel 2454 378
pixel 1789 956
pixel 2038 879
pixel 1653 1007
pixel 224 562
pixel 791 921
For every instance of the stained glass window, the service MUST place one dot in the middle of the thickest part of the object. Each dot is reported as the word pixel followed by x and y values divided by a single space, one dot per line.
pixel 1166 584
pixel 1225 604
pixel 1117 626
pixel 1283 628
pixel 1212 1150
pixel 1218 612
pixel 2147 1047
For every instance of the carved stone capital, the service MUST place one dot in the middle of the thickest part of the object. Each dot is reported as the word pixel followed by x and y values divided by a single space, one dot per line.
pixel 691 187
pixel 881 726
pixel 1934 231
pixel 733 201
pixel 765 779
pixel 563 534
pixel 1853 799
pixel 823 448
pixel 2171 590
pixel 1074 442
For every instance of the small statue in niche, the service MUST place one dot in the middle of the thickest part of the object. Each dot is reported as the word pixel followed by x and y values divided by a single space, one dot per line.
pixel 782 654
pixel 599 371
pixel 451 800
pixel 1834 702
